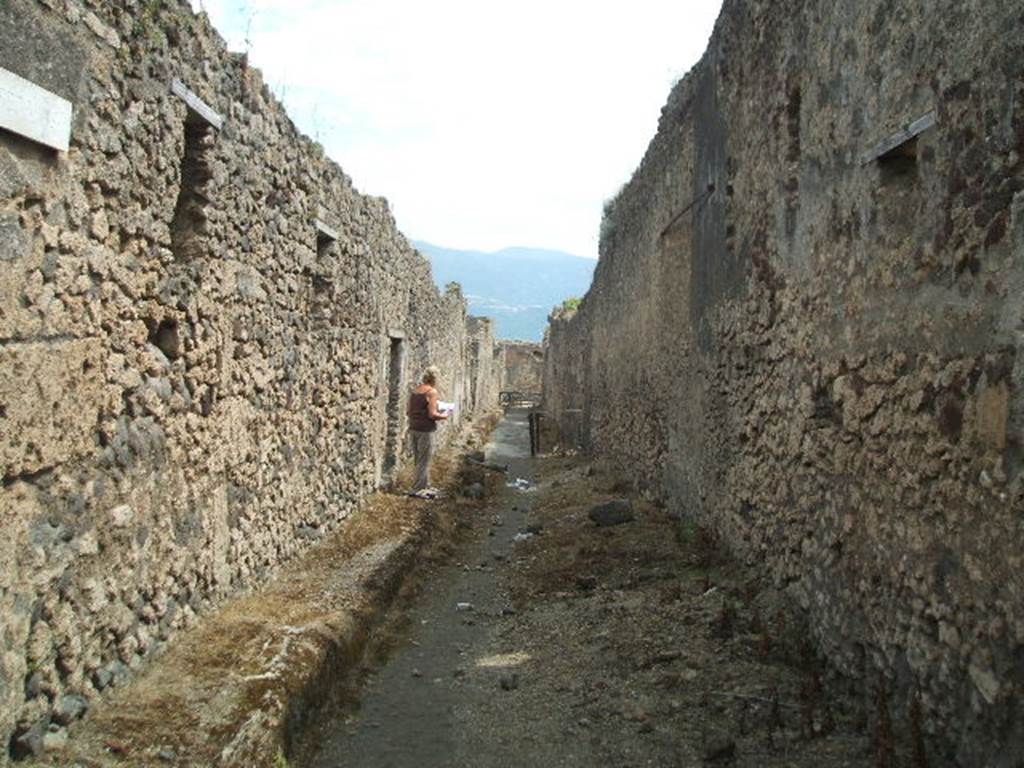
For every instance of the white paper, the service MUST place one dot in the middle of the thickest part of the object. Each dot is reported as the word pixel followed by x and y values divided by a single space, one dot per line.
pixel 444 407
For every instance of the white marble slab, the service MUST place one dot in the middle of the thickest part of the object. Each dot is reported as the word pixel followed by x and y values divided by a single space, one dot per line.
pixel 197 105
pixel 34 112
pixel 325 230
pixel 901 136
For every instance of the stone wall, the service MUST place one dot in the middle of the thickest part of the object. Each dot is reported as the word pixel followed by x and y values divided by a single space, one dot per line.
pixel 206 336
pixel 483 368
pixel 566 379
pixel 816 318
pixel 522 366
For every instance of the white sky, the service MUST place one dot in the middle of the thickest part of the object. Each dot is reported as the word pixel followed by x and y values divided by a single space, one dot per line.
pixel 486 124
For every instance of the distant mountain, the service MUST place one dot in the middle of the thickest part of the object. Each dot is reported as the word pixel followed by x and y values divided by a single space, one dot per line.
pixel 516 286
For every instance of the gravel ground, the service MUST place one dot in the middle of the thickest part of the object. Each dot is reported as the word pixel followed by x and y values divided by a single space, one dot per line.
pixel 552 641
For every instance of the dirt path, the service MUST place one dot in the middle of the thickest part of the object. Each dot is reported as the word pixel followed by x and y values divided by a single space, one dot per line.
pixel 409 710
pixel 636 644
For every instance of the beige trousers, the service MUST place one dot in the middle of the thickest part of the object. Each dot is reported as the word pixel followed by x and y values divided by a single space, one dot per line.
pixel 422 450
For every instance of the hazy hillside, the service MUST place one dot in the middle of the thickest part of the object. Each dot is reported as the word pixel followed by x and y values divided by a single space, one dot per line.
pixel 516 286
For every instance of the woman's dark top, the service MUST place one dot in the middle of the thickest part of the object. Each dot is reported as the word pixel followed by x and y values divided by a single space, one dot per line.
pixel 419 413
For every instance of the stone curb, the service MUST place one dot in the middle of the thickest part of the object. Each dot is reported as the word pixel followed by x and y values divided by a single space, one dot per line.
pixel 278 696
pixel 336 648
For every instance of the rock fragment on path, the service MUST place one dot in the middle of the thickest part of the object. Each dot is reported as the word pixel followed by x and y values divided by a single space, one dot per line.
pixel 586 582
pixel 69 709
pixel 55 740
pixel 720 749
pixel 615 512
pixel 116 746
pixel 29 741
pixel 509 682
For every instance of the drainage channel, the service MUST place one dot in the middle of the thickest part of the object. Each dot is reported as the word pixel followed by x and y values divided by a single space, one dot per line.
pixel 408 711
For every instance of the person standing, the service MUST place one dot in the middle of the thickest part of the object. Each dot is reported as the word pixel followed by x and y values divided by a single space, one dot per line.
pixel 423 417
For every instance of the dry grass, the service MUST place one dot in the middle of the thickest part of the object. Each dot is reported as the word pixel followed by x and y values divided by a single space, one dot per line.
pixel 258 653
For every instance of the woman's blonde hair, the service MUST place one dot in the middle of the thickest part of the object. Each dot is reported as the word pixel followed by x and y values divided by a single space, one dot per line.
pixel 430 375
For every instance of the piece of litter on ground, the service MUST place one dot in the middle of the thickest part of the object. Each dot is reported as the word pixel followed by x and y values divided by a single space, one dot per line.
pixel 520 484
pixel 522 536
pixel 463 606
pixel 428 494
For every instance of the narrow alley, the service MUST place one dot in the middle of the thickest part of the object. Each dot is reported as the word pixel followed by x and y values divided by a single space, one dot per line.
pixel 772 512
pixel 549 639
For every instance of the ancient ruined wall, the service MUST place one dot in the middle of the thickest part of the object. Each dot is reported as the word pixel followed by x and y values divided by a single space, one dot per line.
pixel 566 377
pixel 196 379
pixel 483 367
pixel 522 367
pixel 819 333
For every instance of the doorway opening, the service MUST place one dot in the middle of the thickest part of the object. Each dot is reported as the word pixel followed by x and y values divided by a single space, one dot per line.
pixel 394 410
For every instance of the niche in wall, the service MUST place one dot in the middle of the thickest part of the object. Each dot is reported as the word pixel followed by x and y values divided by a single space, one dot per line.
pixel 165 337
pixel 394 410
pixel 188 224
pixel 898 194
pixel 320 278
pixel 896 155
pixel 325 236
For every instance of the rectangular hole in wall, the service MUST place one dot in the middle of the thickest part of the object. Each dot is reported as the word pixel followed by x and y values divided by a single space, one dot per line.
pixel 325 236
pixel 164 336
pixel 323 244
pixel 394 411
pixel 899 192
pixel 794 105
pixel 896 155
pixel 899 164
pixel 321 307
pixel 189 212
pixel 321 286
